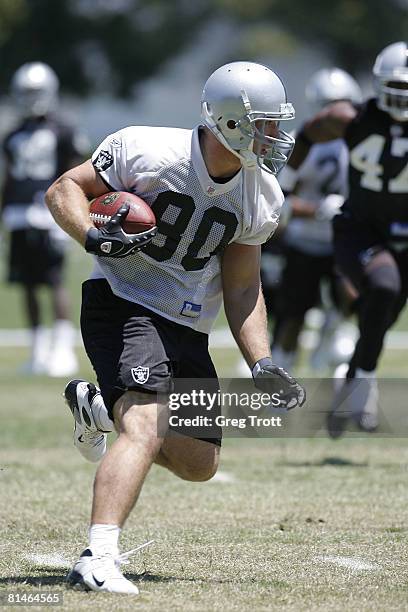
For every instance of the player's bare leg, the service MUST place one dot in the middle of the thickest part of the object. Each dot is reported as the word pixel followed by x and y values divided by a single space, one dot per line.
pixel 189 458
pixel 122 471
pixel 118 482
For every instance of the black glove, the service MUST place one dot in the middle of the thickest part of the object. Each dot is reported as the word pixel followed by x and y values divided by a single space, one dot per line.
pixel 272 379
pixel 111 241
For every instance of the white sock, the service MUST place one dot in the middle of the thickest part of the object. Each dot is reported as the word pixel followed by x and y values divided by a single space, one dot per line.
pixel 101 416
pixel 104 538
pixel 63 334
pixel 364 373
pixel 39 346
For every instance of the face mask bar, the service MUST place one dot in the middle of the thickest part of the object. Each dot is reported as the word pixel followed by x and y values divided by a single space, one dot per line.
pixel 394 100
pixel 277 156
pixel 273 151
pixel 33 102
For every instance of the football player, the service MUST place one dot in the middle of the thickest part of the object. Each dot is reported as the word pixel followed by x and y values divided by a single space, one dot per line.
pixel 371 233
pixel 146 315
pixel 36 152
pixel 314 194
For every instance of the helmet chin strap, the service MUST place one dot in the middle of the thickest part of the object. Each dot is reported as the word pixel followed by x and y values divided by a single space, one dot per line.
pixel 246 156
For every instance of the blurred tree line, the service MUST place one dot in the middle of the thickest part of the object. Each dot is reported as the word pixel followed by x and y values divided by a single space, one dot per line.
pixel 114 44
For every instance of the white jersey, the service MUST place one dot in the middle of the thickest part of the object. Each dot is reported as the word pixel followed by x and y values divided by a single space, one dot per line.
pixel 178 275
pixel 323 172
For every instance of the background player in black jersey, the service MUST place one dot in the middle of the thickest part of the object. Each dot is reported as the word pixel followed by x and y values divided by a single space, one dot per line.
pixel 36 152
pixel 314 194
pixel 371 233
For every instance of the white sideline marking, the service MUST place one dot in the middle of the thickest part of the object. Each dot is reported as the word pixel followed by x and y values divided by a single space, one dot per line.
pixel 219 338
pixel 349 563
pixel 53 560
pixel 223 477
pixel 222 338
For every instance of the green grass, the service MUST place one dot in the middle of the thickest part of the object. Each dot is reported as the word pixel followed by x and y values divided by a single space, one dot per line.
pixel 263 541
pixel 78 268
pixel 260 542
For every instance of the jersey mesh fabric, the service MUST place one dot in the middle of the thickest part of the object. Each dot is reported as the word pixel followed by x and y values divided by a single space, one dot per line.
pixel 159 277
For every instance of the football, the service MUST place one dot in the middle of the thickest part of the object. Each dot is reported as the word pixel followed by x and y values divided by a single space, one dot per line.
pixel 140 217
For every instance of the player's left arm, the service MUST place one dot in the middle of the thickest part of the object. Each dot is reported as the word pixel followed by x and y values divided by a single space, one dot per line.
pixel 243 300
pixel 246 313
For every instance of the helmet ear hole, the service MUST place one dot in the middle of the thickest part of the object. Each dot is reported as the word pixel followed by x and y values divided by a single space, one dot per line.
pixel 231 124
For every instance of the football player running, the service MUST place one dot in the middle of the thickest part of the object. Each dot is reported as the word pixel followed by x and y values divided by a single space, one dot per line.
pixel 313 195
pixel 146 316
pixel 371 233
pixel 36 152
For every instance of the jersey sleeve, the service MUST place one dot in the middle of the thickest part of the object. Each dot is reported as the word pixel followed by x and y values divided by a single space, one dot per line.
pixel 261 212
pixel 111 163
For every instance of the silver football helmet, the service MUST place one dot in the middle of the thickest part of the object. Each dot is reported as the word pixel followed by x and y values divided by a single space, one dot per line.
pixel 238 104
pixel 331 85
pixel 391 80
pixel 34 87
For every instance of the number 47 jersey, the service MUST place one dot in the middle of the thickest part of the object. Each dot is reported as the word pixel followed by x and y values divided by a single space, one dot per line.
pixel 378 174
pixel 178 275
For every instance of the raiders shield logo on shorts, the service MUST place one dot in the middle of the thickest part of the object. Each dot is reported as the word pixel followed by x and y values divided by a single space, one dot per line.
pixel 140 374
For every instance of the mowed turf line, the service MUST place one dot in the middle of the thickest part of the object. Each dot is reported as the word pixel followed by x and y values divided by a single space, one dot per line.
pixel 269 537
pixel 78 268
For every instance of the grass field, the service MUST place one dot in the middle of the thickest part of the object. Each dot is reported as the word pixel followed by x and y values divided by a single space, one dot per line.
pixel 289 524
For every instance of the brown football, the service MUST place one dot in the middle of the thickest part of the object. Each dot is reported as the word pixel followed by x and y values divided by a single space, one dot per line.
pixel 139 218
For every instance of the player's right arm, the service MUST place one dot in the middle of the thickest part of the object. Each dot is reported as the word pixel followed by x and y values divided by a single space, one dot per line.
pixel 68 199
pixel 329 124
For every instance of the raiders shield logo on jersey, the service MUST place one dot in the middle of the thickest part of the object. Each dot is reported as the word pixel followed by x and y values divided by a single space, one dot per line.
pixel 140 374
pixel 103 161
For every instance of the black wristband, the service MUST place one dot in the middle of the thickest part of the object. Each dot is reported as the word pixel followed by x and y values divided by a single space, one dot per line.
pixel 301 137
pixel 91 242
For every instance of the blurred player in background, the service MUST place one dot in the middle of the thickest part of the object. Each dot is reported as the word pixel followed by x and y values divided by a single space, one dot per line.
pixel 36 152
pixel 371 233
pixel 314 194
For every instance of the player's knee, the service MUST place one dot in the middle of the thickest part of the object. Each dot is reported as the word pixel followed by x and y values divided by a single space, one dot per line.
pixel 136 416
pixel 384 282
pixel 200 473
pixel 201 470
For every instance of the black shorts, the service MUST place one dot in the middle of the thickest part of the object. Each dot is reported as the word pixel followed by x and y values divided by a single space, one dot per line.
pixel 300 284
pixel 133 348
pixel 35 258
pixel 354 243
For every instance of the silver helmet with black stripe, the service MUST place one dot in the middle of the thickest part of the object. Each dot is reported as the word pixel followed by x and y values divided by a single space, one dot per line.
pixel 332 85
pixel 34 87
pixel 239 103
pixel 390 74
